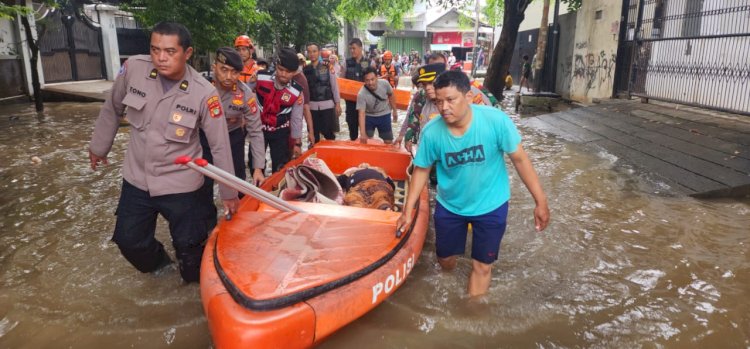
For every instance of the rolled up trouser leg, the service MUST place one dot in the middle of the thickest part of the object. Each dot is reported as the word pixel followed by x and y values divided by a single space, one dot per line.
pixel 134 230
pixel 189 226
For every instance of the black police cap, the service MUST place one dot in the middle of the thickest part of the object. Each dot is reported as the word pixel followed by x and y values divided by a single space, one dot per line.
pixel 288 59
pixel 230 57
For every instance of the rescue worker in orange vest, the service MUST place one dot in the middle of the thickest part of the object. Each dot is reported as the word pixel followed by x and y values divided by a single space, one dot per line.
pixel 387 70
pixel 245 47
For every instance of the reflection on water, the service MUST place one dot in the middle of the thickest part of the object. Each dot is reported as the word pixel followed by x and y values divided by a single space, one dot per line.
pixel 623 263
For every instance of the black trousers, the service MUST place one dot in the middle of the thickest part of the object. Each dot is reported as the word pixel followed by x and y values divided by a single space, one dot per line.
pixel 324 122
pixel 237 145
pixel 279 144
pixel 189 225
pixel 352 119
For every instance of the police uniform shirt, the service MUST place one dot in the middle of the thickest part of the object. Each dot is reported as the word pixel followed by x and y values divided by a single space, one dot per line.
pixel 163 126
pixel 241 103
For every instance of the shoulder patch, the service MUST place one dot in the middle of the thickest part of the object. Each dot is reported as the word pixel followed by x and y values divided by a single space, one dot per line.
pixel 214 107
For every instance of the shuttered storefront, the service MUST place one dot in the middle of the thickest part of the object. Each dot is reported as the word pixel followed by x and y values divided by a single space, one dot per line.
pixel 401 45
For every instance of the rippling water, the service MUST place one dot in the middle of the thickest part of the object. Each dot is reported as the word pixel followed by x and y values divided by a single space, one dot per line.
pixel 623 263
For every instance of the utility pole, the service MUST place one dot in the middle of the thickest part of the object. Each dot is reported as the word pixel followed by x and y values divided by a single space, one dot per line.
pixel 541 46
pixel 474 50
pixel 552 81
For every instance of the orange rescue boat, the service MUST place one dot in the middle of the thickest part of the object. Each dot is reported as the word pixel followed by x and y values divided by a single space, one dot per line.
pixel 348 90
pixel 272 279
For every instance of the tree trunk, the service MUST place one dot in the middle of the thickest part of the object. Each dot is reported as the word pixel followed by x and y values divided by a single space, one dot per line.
pixel 33 45
pixel 503 52
pixel 541 46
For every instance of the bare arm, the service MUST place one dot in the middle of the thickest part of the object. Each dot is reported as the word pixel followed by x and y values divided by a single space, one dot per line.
pixel 362 133
pixel 525 170
pixel 254 128
pixel 309 121
pixel 418 180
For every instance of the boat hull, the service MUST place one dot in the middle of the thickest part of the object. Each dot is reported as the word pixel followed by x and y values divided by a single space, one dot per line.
pixel 309 321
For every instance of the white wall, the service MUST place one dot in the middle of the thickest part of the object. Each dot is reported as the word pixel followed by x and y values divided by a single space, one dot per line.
pixel 533 15
pixel 595 50
pixel 8 45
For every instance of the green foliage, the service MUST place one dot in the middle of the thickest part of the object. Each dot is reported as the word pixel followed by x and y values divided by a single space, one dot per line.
pixel 363 10
pixel 212 24
pixel 493 10
pixel 306 21
pixel 573 5
pixel 269 22
pixel 10 11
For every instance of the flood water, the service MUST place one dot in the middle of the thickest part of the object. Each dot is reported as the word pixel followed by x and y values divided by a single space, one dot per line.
pixel 623 264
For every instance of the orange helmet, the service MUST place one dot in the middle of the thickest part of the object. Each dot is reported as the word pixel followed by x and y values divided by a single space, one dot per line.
pixel 387 55
pixel 243 40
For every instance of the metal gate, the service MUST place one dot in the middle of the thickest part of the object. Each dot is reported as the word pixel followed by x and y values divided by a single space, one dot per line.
pixel 693 52
pixel 70 47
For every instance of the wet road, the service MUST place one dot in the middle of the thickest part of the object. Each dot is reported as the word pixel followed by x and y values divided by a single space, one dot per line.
pixel 623 263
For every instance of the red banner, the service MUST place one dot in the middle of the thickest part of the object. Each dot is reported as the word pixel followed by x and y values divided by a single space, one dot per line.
pixel 449 38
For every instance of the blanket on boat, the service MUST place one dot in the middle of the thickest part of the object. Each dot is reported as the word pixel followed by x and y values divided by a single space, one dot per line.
pixel 312 181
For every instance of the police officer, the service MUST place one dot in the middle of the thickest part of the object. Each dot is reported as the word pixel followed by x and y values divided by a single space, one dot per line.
pixel 280 101
pixel 241 110
pixel 166 102
pixel 353 71
pixel 325 105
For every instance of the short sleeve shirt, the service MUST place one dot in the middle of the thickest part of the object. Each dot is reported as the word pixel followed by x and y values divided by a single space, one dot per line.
pixel 372 105
pixel 472 177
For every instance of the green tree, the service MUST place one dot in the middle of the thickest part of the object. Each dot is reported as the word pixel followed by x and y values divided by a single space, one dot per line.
pixel 361 11
pixel 306 21
pixel 212 24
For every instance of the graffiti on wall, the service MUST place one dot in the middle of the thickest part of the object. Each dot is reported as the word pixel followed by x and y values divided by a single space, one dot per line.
pixel 565 76
pixel 7 46
pixel 594 70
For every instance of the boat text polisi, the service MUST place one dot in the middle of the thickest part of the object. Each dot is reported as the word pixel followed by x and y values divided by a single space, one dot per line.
pixel 393 280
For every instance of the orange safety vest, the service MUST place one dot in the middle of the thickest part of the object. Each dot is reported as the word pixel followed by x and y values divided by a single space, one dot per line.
pixel 392 79
pixel 248 72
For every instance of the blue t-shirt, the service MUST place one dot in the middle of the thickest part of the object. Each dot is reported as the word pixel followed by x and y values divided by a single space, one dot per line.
pixel 472 178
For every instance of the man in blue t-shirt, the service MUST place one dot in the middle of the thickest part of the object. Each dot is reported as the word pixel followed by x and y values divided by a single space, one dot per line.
pixel 467 143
